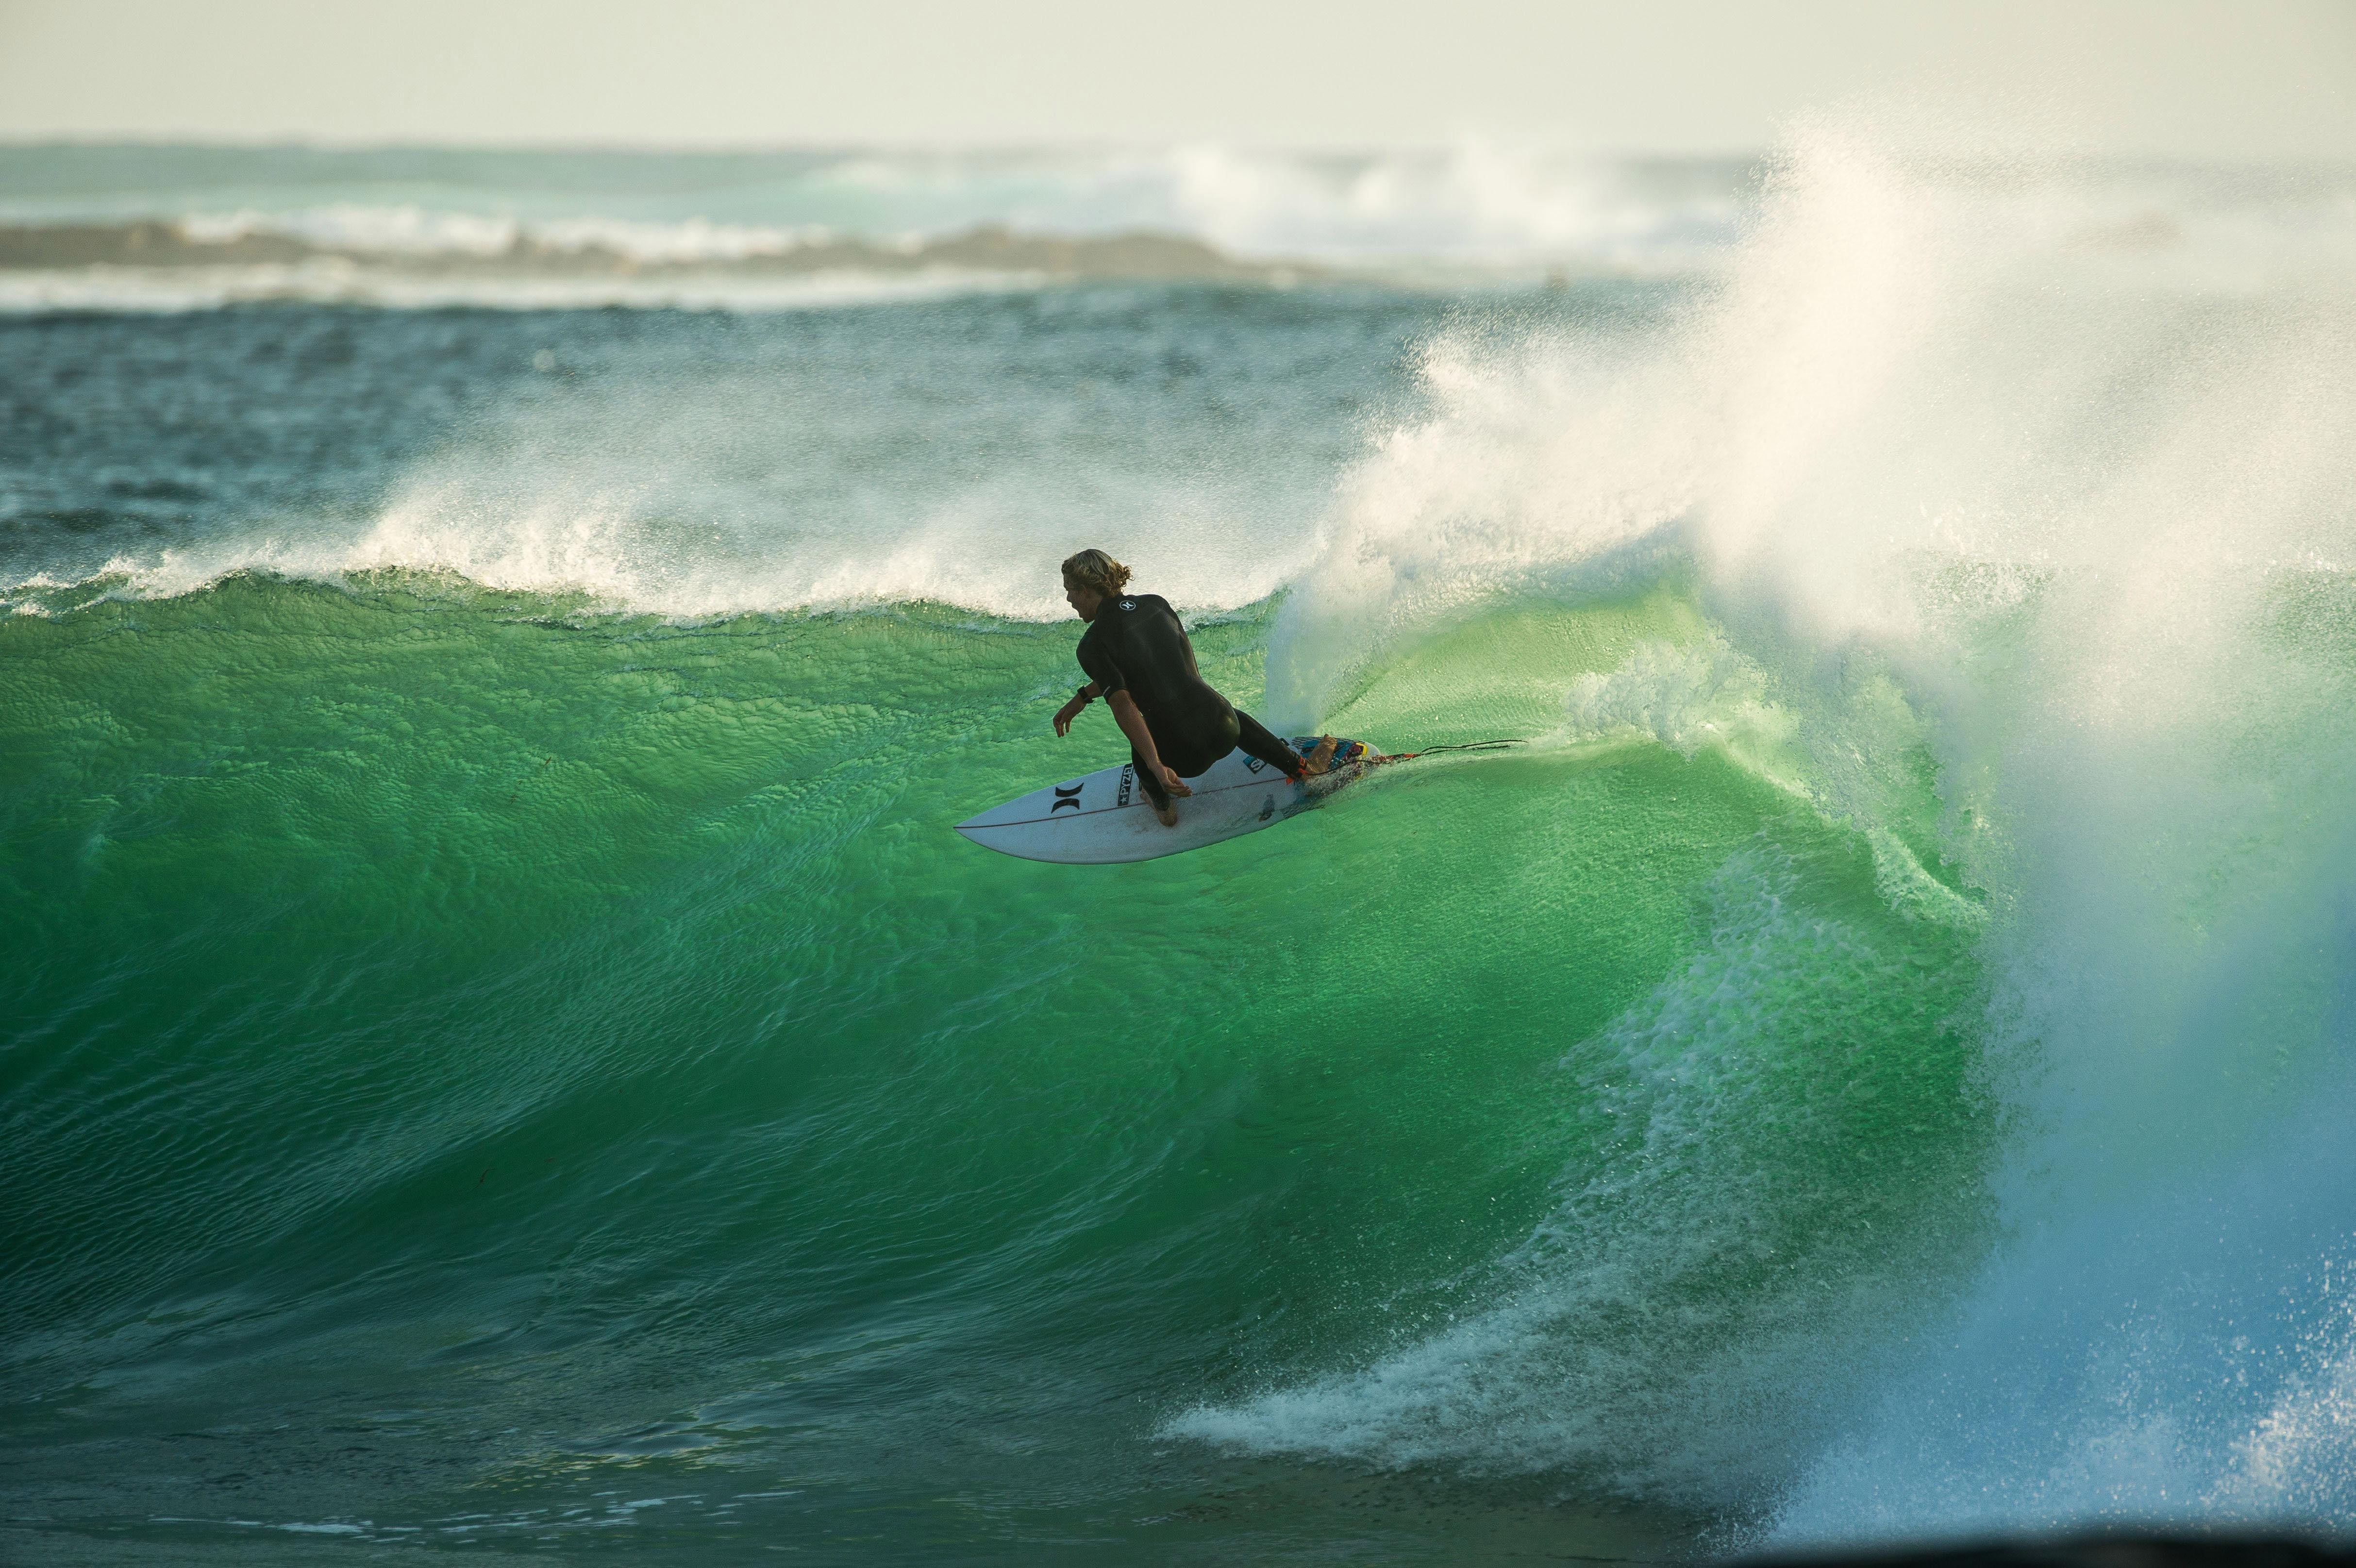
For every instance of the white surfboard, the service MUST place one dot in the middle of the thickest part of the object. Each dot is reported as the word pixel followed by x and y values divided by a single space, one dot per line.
pixel 1106 818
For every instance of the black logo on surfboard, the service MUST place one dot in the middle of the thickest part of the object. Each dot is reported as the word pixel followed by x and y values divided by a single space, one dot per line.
pixel 1067 795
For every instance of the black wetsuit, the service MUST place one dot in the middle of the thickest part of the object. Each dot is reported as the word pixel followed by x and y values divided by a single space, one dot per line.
pixel 1138 645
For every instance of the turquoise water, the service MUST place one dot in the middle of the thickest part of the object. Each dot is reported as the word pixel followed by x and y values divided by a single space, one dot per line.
pixel 585 1050
pixel 504 1053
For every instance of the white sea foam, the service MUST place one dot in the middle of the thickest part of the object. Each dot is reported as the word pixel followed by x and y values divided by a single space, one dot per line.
pixel 329 279
pixel 1477 201
pixel 612 507
pixel 410 230
pixel 1685 697
pixel 405 229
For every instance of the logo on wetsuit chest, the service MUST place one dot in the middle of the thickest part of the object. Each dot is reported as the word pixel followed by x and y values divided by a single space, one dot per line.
pixel 1067 795
pixel 1129 603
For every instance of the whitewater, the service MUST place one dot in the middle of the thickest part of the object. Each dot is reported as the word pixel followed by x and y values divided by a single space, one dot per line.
pixel 502 1047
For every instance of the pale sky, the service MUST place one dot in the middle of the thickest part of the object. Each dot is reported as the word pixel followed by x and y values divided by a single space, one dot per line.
pixel 2229 79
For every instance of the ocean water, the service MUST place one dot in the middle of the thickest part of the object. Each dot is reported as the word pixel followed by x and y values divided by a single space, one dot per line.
pixel 502 1052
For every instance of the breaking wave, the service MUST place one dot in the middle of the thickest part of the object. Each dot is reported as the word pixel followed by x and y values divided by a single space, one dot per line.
pixel 2065 534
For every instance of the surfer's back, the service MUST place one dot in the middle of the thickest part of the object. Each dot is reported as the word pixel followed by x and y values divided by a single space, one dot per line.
pixel 1140 637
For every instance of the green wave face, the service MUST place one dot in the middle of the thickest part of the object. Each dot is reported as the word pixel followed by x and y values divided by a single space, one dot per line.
pixel 481 1074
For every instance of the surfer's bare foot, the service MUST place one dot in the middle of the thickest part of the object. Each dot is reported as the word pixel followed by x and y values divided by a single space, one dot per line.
pixel 1167 810
pixel 1321 756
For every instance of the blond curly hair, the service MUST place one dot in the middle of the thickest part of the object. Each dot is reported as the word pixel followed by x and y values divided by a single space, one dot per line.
pixel 1095 572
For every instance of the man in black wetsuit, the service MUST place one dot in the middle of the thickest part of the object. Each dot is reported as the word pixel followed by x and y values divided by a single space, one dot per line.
pixel 1136 657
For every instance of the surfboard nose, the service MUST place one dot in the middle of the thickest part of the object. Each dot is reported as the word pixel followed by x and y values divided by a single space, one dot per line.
pixel 1067 799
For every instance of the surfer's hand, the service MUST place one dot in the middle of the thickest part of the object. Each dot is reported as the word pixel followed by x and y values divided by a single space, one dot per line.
pixel 1066 713
pixel 1172 783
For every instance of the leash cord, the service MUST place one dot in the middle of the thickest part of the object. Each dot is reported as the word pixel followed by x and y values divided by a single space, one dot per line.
pixel 1463 746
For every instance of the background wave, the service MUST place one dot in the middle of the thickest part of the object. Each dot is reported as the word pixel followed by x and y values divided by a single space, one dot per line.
pixel 693 466
pixel 1477 201
pixel 161 228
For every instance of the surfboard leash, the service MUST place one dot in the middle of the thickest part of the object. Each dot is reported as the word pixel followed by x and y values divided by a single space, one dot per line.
pixel 1461 746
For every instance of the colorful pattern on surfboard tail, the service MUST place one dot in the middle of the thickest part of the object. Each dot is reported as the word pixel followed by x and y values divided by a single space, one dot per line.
pixel 1345 751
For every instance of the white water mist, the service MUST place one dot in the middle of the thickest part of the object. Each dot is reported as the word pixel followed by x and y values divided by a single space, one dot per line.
pixel 1969 453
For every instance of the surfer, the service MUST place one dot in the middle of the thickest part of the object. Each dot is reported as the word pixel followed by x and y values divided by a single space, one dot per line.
pixel 1136 657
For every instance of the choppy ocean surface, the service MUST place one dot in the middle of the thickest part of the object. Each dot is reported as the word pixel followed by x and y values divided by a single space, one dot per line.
pixel 501 1050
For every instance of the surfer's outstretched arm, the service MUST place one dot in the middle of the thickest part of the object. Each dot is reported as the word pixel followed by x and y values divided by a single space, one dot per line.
pixel 1071 710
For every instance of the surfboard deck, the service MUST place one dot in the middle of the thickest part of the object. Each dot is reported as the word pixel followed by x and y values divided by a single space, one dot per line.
pixel 1105 817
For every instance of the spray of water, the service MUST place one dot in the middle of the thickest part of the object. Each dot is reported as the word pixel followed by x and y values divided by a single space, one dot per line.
pixel 1971 460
